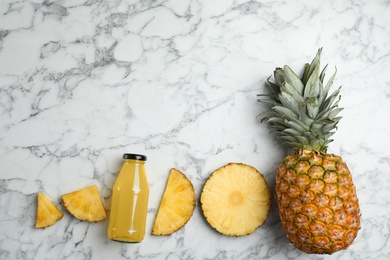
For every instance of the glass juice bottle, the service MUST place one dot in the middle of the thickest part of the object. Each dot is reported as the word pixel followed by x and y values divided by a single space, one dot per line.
pixel 129 201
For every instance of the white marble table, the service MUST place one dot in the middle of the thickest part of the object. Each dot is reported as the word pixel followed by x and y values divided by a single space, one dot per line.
pixel 82 82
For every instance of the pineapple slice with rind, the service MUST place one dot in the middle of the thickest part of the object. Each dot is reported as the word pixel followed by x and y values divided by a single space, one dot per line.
pixel 236 199
pixel 177 205
pixel 47 213
pixel 85 204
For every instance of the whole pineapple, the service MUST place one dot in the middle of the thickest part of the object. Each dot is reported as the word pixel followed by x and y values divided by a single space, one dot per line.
pixel 316 197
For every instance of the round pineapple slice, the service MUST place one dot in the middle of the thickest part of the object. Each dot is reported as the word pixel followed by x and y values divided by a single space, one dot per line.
pixel 47 212
pixel 177 205
pixel 85 204
pixel 235 199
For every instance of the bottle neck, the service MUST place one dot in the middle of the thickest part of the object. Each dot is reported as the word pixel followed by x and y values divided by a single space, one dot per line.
pixel 134 161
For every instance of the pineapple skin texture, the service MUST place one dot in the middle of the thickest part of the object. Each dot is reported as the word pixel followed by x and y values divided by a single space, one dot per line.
pixel 317 202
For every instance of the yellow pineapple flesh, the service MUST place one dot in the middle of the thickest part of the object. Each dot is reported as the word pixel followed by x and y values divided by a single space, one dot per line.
pixel 235 199
pixel 85 204
pixel 177 205
pixel 47 213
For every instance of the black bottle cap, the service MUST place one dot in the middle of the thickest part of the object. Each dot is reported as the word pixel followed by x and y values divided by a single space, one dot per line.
pixel 132 156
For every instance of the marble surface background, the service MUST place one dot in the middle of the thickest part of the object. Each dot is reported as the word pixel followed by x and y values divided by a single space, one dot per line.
pixel 83 81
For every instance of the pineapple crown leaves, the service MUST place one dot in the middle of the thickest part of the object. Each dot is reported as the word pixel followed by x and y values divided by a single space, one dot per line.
pixel 302 114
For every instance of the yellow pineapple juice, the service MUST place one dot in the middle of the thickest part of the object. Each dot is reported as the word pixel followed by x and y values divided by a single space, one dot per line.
pixel 129 201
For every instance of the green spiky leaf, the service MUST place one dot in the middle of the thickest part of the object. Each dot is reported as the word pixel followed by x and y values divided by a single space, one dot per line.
pixel 302 114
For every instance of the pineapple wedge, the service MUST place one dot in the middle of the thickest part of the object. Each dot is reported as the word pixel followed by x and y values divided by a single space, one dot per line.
pixel 235 199
pixel 85 204
pixel 47 212
pixel 177 205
